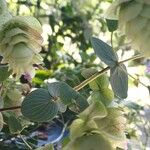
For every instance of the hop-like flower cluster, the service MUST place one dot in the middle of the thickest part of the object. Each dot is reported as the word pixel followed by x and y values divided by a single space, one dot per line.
pixel 20 44
pixel 134 21
pixel 104 123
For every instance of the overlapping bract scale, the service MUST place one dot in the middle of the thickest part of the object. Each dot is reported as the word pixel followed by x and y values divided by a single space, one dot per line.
pixel 134 21
pixel 21 43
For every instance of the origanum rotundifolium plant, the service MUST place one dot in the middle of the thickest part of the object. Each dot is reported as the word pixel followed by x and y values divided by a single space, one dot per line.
pixel 100 122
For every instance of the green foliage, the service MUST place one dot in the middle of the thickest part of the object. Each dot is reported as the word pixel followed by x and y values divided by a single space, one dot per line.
pixel 118 73
pixel 39 106
pixel 67 95
pixel 44 104
pixel 15 126
pixel 97 119
pixel 62 90
pixel 4 72
pixel 104 52
pixel 41 75
pixel 119 80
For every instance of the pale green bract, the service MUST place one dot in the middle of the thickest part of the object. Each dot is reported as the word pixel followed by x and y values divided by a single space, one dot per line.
pixel 20 42
pixel 134 22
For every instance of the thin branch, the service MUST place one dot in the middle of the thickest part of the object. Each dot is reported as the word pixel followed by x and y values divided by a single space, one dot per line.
pixel 26 142
pixel 90 79
pixel 132 58
pixel 10 108
pixel 138 80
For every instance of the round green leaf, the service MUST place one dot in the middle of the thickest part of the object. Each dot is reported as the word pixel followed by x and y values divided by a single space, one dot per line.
pixel 104 52
pixel 39 106
pixel 62 90
pixel 67 94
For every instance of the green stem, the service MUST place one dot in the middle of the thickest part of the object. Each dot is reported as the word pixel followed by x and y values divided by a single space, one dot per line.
pixel 111 40
pixel 138 80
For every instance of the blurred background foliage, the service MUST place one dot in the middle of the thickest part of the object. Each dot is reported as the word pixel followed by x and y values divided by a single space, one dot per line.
pixel 67 28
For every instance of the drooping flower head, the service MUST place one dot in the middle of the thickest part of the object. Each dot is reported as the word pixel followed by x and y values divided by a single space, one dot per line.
pixel 20 44
pixel 134 21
